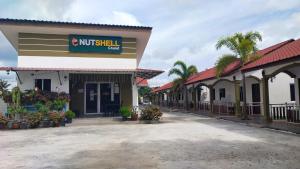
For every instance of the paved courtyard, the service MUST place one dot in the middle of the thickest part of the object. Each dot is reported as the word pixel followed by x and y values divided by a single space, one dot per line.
pixel 180 141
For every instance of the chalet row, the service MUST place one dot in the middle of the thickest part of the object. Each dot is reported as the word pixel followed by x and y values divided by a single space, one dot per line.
pixel 272 86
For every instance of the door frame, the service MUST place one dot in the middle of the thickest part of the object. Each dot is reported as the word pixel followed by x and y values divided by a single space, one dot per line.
pixel 98 96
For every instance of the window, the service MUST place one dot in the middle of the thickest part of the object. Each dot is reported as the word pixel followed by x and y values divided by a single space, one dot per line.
pixel 43 84
pixel 292 91
pixel 222 93
pixel 213 94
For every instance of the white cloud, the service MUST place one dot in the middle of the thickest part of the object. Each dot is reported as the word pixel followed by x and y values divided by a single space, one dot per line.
pixel 182 29
pixel 122 18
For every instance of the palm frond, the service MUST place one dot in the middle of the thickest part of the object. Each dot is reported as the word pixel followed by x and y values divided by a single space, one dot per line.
pixel 182 65
pixel 223 62
pixel 253 36
pixel 176 71
pixel 192 69
pixel 229 42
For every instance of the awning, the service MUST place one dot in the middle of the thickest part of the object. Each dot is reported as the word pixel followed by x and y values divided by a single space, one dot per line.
pixel 142 73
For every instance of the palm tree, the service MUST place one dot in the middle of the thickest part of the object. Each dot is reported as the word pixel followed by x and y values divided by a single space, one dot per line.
pixel 183 72
pixel 244 47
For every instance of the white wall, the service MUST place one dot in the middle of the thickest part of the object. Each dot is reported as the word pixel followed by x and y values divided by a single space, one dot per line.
pixel 3 106
pixel 76 62
pixel 28 79
pixel 229 91
pixel 279 89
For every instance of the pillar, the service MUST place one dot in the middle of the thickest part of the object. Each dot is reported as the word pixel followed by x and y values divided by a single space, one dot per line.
pixel 194 97
pixel 297 90
pixel 186 98
pixel 135 100
pixel 265 100
pixel 237 98
pixel 211 101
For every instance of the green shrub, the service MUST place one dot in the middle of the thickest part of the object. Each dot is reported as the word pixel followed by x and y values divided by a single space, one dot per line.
pixel 125 111
pixel 58 104
pixel 69 114
pixel 42 108
pixel 151 113
pixel 34 119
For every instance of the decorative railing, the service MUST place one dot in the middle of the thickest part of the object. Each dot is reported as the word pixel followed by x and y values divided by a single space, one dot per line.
pixel 224 108
pixel 204 105
pixel 287 111
pixel 252 108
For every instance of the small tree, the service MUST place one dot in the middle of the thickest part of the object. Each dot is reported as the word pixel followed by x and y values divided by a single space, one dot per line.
pixel 3 87
pixel 244 47
pixel 183 72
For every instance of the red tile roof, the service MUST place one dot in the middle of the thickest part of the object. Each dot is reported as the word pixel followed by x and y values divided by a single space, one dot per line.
pixel 163 87
pixel 267 52
pixel 141 82
pixel 288 50
pixel 211 72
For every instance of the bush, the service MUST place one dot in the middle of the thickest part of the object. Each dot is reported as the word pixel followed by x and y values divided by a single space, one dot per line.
pixel 151 113
pixel 58 105
pixel 34 119
pixel 69 114
pixel 42 108
pixel 56 117
pixel 125 111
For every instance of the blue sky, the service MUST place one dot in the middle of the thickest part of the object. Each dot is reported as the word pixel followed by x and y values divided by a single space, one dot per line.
pixel 182 29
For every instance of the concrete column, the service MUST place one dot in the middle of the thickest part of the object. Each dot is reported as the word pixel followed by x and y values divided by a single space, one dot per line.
pixel 135 99
pixel 265 100
pixel 186 98
pixel 194 97
pixel 297 95
pixel 237 98
pixel 211 101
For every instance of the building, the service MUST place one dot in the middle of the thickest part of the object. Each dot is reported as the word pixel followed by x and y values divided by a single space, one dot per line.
pixel 272 85
pixel 96 64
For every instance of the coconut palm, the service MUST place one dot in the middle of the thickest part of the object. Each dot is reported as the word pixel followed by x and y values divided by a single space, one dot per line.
pixel 183 72
pixel 243 47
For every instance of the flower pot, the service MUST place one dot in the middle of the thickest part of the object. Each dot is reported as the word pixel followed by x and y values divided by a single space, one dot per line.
pixel 24 125
pixel 15 125
pixel 68 120
pixel 134 117
pixel 2 126
pixel 124 118
pixel 62 123
pixel 51 124
pixel 44 123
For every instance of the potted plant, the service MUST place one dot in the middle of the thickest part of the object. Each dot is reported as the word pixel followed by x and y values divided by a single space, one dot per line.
pixel 57 118
pixel 125 112
pixel 151 114
pixel 69 116
pixel 24 124
pixel 134 114
pixel 3 121
pixel 34 119
pixel 43 109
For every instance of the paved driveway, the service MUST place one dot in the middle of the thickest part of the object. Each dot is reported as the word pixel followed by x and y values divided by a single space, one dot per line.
pixel 180 141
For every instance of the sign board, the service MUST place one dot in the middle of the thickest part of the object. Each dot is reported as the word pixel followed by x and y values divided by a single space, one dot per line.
pixel 95 44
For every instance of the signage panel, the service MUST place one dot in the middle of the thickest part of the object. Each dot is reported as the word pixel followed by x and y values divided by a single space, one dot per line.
pixel 95 44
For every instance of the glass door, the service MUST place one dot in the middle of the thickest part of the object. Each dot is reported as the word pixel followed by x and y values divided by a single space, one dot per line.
pixel 91 98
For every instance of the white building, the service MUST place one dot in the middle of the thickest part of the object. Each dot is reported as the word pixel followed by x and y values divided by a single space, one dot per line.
pixel 96 64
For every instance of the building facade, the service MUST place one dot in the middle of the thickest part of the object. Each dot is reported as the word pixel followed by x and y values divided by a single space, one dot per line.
pixel 96 64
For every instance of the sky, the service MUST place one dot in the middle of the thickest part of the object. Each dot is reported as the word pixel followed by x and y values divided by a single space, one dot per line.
pixel 184 30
